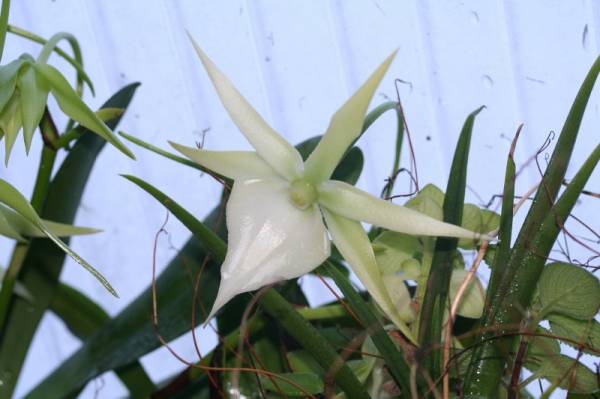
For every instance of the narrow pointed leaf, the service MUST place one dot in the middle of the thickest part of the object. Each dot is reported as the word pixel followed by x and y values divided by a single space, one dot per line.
pixel 394 358
pixel 24 227
pixel 7 230
pixel 83 317
pixel 232 164
pixel 355 204
pixel 34 95
pixel 43 261
pixel 353 243
pixel 13 199
pixel 70 103
pixel 524 265
pixel 345 126
pixel 273 148
pixel 437 287
pixel 501 254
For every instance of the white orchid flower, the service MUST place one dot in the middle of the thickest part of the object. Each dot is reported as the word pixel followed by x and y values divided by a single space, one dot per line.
pixel 281 210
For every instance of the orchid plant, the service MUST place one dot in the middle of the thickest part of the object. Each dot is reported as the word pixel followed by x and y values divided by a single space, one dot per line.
pixel 276 209
pixel 286 209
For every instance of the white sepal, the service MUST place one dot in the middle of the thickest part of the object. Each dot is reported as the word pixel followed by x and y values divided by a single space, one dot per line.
pixel 345 127
pixel 270 240
pixel 273 148
pixel 353 243
pixel 349 201
pixel 233 164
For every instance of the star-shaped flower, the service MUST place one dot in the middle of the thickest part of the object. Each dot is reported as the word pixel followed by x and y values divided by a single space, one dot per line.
pixel 282 210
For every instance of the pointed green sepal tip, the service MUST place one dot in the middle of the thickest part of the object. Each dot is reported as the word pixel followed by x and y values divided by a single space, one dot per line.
pixel 345 127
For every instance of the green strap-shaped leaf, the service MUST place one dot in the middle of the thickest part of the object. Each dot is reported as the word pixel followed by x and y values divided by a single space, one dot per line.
pixel 435 300
pixel 394 359
pixel 503 250
pixel 70 103
pixel 83 317
pixel 526 261
pixel 13 199
pixel 43 261
pixel 34 95
pixel 22 227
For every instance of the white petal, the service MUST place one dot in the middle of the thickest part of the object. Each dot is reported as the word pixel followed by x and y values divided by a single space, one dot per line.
pixel 273 148
pixel 349 201
pixel 352 242
pixel 233 164
pixel 270 239
pixel 345 126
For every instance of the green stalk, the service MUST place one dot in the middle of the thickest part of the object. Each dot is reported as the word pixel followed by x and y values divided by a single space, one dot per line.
pixel 169 155
pixel 75 62
pixel 370 118
pixel 435 301
pixel 526 261
pixel 52 44
pixel 310 338
pixel 506 221
pixel 394 360
pixel 3 24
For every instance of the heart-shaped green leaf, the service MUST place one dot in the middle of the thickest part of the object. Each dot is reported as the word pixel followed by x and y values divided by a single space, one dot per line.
pixel 586 332
pixel 569 290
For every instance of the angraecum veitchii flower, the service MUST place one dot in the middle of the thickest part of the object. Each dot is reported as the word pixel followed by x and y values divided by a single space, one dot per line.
pixel 282 211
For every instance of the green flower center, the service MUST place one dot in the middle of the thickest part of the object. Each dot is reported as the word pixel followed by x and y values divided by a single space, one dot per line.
pixel 302 194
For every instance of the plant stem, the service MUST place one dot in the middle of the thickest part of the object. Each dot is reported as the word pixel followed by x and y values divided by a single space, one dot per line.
pixel 3 24
pixel 307 336
pixel 76 62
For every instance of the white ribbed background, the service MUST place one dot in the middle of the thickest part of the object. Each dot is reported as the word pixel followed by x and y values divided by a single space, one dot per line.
pixel 297 61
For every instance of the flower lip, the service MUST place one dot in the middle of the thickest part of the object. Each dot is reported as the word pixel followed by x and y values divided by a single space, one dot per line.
pixel 302 194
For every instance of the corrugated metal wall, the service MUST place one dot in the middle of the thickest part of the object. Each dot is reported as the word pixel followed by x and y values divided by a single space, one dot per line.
pixel 297 61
